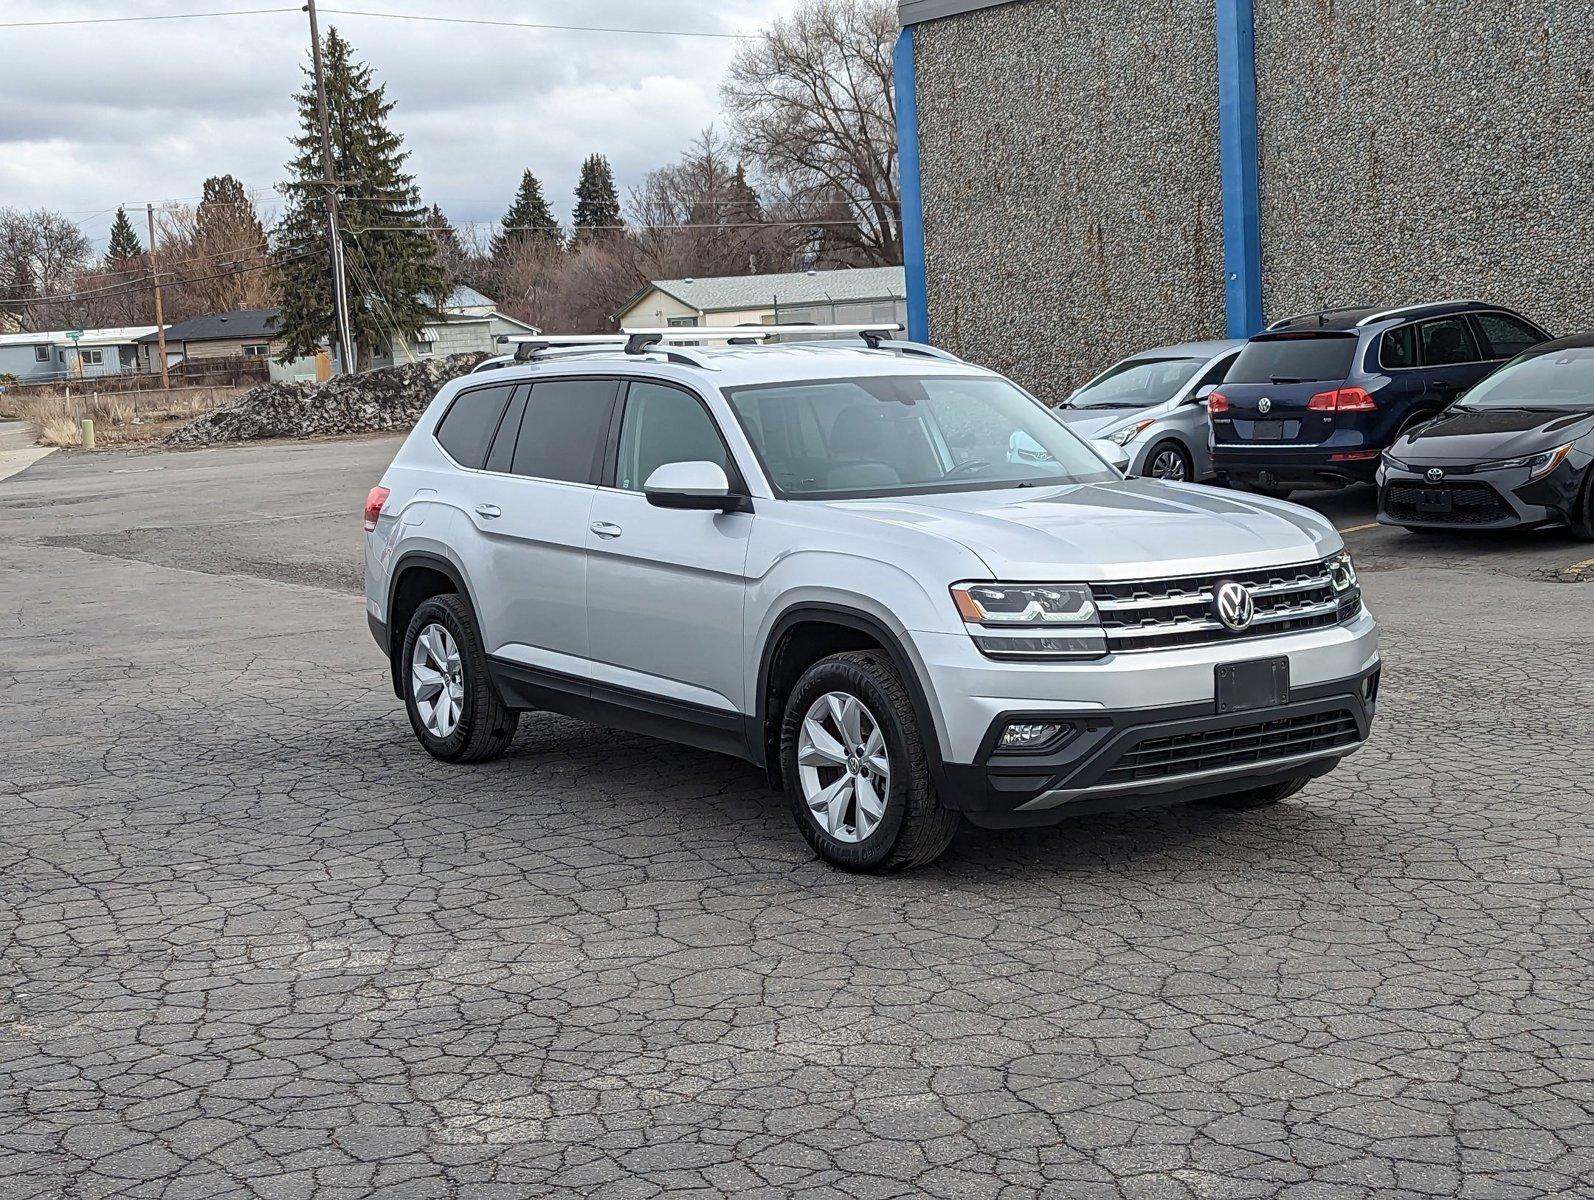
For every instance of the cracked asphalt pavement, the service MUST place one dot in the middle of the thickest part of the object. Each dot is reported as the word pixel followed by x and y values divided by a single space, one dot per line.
pixel 253 942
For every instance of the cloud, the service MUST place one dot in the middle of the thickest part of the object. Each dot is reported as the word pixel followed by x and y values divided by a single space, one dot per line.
pixel 108 114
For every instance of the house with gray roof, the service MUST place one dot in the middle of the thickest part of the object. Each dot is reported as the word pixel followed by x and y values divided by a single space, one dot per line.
pixel 846 297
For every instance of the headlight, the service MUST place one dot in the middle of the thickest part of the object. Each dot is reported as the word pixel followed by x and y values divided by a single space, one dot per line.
pixel 1391 460
pixel 1031 620
pixel 1538 465
pixel 1129 432
pixel 1341 571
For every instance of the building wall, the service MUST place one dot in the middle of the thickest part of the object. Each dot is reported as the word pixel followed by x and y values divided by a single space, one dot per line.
pixel 1071 184
pixel 1421 150
pixel 656 308
pixel 226 348
pixel 1408 150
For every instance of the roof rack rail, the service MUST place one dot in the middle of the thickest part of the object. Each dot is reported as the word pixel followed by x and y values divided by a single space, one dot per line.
pixel 641 340
pixel 1413 309
pixel 1319 313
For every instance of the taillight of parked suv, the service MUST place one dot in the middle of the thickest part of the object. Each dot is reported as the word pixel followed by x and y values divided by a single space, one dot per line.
pixel 374 501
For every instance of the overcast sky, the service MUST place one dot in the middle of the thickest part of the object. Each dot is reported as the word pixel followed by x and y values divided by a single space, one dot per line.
pixel 92 116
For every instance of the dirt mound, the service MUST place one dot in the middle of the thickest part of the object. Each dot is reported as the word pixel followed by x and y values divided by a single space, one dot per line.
pixel 390 398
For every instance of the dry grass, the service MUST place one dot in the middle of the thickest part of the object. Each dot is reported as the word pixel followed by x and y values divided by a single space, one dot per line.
pixel 120 418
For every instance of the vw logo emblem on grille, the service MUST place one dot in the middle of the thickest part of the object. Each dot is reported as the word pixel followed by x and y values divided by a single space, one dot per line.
pixel 1265 404
pixel 1433 475
pixel 1234 606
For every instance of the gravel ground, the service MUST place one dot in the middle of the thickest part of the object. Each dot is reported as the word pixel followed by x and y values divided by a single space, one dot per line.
pixel 254 943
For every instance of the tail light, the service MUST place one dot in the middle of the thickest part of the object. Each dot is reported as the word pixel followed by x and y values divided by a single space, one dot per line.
pixel 1217 402
pixel 373 506
pixel 1345 399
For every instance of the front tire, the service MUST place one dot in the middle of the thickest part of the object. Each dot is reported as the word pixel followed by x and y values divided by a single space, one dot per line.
pixel 456 712
pixel 1581 520
pixel 855 771
pixel 1169 461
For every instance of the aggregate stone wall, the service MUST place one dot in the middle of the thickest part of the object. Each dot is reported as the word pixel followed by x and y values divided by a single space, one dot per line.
pixel 1069 164
pixel 1415 149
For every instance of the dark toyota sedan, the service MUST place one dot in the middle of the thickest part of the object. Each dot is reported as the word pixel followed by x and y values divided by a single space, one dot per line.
pixel 1517 450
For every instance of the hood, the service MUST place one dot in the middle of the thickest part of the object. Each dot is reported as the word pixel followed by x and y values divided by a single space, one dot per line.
pixel 1127 529
pixel 1480 435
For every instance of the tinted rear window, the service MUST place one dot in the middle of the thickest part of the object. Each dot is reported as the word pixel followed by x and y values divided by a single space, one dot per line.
pixel 1315 359
pixel 468 425
pixel 565 421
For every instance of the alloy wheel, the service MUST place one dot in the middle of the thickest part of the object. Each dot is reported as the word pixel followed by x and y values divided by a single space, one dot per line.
pixel 437 680
pixel 1169 464
pixel 843 766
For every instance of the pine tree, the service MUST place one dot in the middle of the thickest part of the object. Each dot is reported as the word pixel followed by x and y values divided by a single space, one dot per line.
pixel 226 218
pixel 124 244
pixel 395 282
pixel 597 203
pixel 528 221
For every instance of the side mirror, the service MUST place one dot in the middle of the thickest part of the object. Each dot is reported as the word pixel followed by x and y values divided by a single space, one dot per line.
pixel 1113 453
pixel 1203 393
pixel 693 485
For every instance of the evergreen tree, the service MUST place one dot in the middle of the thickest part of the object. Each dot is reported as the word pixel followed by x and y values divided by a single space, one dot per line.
pixel 528 221
pixel 124 245
pixel 226 218
pixel 395 281
pixel 597 203
pixel 444 236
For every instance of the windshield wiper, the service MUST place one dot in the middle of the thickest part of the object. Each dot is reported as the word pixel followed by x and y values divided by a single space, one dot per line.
pixel 1116 404
pixel 1284 379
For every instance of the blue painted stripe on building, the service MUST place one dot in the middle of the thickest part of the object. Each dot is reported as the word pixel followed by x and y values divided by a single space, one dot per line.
pixel 1242 208
pixel 912 223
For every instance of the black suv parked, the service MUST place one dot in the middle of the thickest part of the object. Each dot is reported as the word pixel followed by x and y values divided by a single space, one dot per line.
pixel 1313 400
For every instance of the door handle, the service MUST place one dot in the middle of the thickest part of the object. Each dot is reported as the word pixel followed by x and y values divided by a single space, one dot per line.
pixel 490 511
pixel 606 529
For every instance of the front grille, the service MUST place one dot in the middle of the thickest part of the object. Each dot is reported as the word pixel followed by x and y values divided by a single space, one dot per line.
pixel 1161 613
pixel 1239 745
pixel 1470 503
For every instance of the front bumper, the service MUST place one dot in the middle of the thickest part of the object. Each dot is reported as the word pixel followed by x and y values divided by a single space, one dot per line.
pixel 1171 755
pixel 1509 500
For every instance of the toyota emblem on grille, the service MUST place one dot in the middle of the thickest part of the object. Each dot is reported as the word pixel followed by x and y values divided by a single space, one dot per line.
pixel 1234 605
pixel 1433 475
pixel 1265 404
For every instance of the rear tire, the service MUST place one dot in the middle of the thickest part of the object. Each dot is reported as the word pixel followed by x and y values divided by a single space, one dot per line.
pixel 458 715
pixel 1262 797
pixel 874 811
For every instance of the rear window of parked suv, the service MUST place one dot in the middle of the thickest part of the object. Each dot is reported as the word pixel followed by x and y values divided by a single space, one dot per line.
pixel 1294 358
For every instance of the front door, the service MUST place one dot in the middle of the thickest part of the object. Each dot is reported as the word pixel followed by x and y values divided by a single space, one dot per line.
pixel 665 587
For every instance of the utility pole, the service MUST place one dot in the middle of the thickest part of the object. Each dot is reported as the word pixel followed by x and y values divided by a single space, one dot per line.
pixel 340 290
pixel 160 312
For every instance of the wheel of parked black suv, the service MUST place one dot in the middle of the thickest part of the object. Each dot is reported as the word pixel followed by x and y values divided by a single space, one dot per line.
pixel 1262 797
pixel 855 771
pixel 454 708
pixel 1582 515
pixel 1169 460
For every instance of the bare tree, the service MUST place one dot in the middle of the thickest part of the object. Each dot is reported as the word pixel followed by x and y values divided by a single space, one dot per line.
pixel 811 105
pixel 213 255
pixel 592 284
pixel 702 217
pixel 41 256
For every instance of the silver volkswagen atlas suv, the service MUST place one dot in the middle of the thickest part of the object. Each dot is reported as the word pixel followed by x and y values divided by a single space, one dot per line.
pixel 847 564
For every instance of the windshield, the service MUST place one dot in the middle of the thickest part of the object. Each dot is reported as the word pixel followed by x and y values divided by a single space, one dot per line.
pixel 894 434
pixel 1137 383
pixel 1556 379
pixel 1294 358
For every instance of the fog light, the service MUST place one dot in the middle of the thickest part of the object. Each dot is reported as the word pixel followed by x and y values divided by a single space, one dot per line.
pixel 1030 735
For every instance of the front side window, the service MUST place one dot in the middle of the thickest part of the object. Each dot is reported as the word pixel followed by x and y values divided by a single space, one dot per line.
pixel 1446 342
pixel 1561 378
pixel 1137 383
pixel 1295 358
pixel 1507 336
pixel 566 421
pixel 661 425
pixel 467 427
pixel 895 435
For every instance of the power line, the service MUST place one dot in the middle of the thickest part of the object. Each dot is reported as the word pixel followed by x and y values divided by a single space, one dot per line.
pixel 142 283
pixel 386 16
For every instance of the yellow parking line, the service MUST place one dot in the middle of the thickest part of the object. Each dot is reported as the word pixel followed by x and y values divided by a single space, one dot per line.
pixel 1359 528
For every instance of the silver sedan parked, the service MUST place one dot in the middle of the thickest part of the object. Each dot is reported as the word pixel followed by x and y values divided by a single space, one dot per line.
pixel 1153 405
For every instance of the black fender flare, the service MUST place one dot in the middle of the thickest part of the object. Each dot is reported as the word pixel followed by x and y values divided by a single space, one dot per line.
pixel 852 618
pixel 405 561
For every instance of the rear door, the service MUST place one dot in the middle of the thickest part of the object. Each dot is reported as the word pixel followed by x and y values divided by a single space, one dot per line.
pixel 1274 378
pixel 1452 360
pixel 665 587
pixel 530 507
